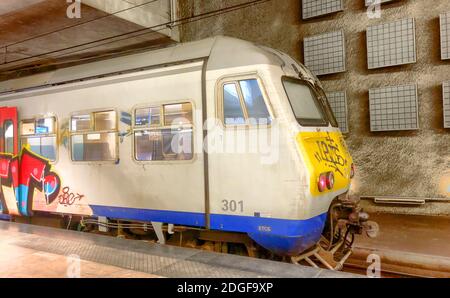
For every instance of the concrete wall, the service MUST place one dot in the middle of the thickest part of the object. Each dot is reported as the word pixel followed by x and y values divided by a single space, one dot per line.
pixel 414 163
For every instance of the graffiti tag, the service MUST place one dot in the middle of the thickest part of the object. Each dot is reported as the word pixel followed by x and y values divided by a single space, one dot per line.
pixel 68 198
pixel 329 154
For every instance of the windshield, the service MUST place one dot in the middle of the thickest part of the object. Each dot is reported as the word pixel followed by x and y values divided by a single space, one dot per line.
pixel 306 103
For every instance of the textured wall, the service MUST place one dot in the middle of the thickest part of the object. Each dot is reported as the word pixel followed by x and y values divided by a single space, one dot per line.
pixel 413 163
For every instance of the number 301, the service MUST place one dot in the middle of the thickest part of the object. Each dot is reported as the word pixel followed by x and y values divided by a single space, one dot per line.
pixel 232 206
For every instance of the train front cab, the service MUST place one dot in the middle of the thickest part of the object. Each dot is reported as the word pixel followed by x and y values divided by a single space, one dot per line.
pixel 278 204
pixel 326 165
pixel 323 168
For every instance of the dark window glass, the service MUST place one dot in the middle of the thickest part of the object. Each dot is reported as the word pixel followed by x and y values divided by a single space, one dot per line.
pixel 163 145
pixel 94 147
pixel 304 102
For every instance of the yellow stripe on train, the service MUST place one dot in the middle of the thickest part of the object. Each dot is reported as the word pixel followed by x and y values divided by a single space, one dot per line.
pixel 325 152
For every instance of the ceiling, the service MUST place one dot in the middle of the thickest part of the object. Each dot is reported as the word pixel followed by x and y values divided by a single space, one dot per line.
pixel 8 6
pixel 29 43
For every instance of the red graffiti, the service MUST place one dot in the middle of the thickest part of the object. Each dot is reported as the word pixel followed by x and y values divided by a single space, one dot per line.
pixel 25 174
pixel 68 198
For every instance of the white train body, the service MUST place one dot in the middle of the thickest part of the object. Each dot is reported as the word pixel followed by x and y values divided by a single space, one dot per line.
pixel 269 195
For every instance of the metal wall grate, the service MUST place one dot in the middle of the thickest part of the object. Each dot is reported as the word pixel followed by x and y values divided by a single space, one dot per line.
pixel 394 108
pixel 325 53
pixel 315 8
pixel 338 102
pixel 391 44
pixel 446 99
pixel 445 35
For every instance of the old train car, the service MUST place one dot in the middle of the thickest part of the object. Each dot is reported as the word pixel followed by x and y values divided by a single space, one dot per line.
pixel 155 137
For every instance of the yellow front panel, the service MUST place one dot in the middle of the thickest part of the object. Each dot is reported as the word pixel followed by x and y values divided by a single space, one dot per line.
pixel 325 152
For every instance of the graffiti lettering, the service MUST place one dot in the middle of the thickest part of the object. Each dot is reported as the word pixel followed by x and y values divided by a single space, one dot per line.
pixel 68 198
pixel 329 153
pixel 20 176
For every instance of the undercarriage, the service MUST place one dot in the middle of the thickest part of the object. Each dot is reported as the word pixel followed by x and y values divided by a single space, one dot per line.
pixel 345 219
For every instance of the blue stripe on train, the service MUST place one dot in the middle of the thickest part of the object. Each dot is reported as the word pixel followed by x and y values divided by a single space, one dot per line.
pixel 5 217
pixel 175 217
pixel 282 236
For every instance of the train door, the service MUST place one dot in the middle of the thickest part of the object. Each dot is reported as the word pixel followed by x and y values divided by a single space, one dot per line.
pixel 246 120
pixel 8 150
pixel 8 125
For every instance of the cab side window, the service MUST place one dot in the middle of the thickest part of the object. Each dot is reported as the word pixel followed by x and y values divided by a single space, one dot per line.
pixel 163 133
pixel 94 136
pixel 254 100
pixel 40 135
pixel 8 131
pixel 243 103
pixel 233 112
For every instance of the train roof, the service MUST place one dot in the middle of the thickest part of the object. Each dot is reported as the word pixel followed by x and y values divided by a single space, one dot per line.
pixel 222 52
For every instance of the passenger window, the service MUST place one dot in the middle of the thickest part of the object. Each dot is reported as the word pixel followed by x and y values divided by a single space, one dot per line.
pixel 232 109
pixel 94 147
pixel 9 136
pixel 45 126
pixel 97 142
pixel 40 135
pixel 105 120
pixel 254 102
pixel 147 116
pixel 243 103
pixel 28 127
pixel 177 114
pixel 81 122
pixel 159 143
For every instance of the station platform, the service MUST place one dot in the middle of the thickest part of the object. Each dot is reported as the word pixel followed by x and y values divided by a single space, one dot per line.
pixel 36 251
pixel 410 245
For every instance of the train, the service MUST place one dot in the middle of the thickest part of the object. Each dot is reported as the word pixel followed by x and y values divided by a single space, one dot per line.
pixel 219 135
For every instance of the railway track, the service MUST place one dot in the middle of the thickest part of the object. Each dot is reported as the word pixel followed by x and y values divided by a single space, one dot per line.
pixel 395 270
pixel 385 273
pixel 358 266
pixel 393 264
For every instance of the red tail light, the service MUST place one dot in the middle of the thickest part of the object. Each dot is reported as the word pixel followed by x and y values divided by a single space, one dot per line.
pixel 352 171
pixel 326 181
pixel 322 185
pixel 330 180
